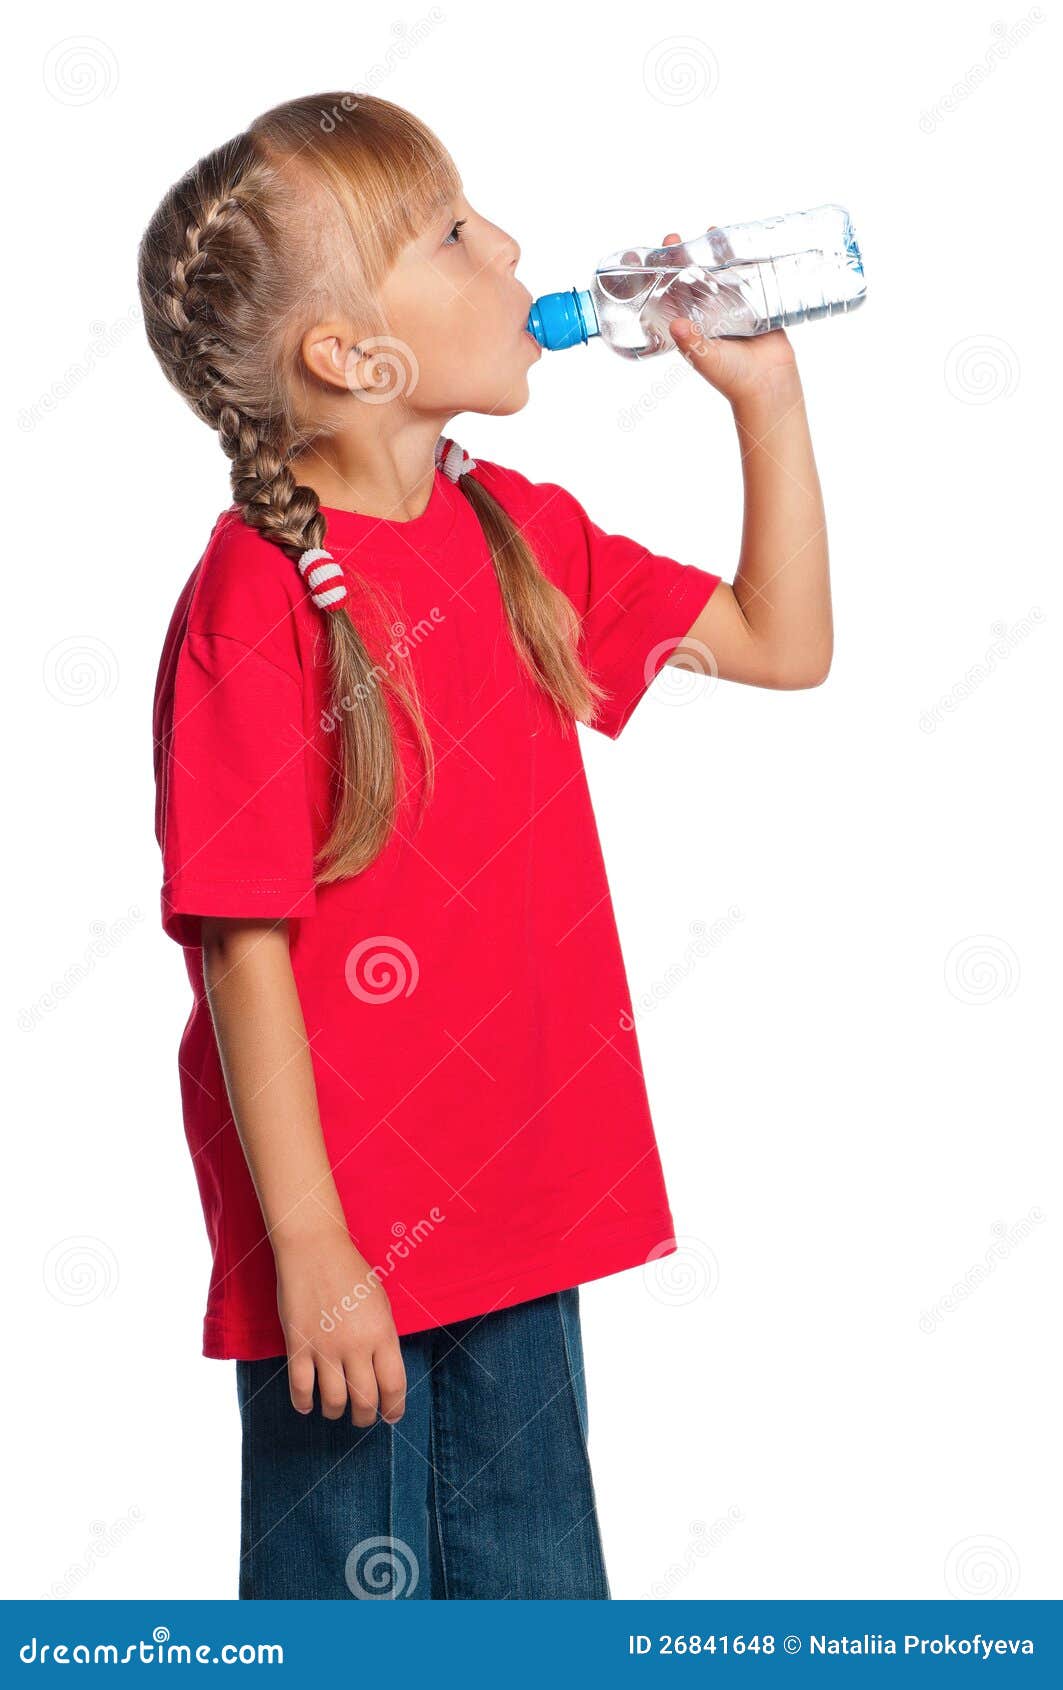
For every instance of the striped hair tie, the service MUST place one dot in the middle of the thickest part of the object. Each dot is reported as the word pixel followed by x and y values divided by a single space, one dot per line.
pixel 317 566
pixel 451 459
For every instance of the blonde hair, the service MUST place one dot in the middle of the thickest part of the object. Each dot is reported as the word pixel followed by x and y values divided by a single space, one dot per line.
pixel 307 210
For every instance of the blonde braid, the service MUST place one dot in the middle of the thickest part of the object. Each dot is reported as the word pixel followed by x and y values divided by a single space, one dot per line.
pixel 199 248
pixel 190 341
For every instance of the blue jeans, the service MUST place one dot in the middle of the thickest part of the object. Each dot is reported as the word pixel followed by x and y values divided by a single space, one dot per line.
pixel 482 1490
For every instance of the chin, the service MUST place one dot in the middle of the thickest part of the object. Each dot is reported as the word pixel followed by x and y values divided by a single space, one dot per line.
pixel 513 399
pixel 494 401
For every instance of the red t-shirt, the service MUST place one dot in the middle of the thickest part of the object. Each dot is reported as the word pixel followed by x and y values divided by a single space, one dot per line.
pixel 477 1070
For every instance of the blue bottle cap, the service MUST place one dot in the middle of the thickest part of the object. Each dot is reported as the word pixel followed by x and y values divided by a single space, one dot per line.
pixel 558 320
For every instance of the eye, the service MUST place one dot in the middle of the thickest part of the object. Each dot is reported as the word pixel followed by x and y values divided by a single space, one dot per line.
pixel 457 238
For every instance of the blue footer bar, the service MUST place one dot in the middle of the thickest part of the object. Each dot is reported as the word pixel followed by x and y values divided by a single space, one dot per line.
pixel 555 1644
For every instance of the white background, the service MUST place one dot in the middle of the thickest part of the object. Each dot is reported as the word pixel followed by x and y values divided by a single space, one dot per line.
pixel 829 1392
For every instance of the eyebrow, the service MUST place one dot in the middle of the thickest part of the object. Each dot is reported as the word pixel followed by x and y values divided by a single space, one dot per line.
pixel 434 212
pixel 442 202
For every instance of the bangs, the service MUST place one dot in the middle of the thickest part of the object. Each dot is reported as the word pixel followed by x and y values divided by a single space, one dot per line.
pixel 385 171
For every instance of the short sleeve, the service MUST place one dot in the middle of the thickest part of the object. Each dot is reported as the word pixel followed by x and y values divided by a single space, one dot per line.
pixel 635 605
pixel 232 806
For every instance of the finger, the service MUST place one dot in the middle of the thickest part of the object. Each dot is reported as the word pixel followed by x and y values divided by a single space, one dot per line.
pixel 362 1389
pixel 697 348
pixel 391 1379
pixel 332 1385
pixel 301 1380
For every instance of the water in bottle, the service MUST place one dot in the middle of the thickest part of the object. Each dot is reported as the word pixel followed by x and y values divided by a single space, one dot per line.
pixel 740 280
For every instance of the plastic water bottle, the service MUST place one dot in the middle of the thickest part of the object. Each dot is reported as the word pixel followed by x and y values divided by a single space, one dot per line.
pixel 740 280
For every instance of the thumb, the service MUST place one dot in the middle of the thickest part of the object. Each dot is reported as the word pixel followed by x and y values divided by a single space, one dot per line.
pixel 688 337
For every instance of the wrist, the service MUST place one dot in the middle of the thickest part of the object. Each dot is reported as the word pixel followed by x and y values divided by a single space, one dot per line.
pixel 771 396
pixel 309 1229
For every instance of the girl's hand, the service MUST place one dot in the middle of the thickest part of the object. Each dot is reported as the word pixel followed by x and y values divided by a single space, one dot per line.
pixel 338 1325
pixel 739 368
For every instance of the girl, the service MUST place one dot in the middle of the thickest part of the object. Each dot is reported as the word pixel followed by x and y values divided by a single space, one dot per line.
pixel 410 1077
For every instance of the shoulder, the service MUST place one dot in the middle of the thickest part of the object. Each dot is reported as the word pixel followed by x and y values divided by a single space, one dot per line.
pixel 558 530
pixel 250 591
pixel 541 509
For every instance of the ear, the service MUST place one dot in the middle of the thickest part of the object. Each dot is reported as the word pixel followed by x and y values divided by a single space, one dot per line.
pixel 331 353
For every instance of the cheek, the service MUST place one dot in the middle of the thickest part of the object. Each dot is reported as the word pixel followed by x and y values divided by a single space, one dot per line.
pixel 462 354
pixel 464 360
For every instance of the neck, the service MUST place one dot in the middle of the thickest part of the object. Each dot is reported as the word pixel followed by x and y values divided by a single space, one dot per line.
pixel 384 475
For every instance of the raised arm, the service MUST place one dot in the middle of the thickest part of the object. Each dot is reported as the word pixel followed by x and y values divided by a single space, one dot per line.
pixel 772 627
pixel 269 1077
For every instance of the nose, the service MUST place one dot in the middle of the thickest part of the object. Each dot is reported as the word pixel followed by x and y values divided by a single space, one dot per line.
pixel 510 250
